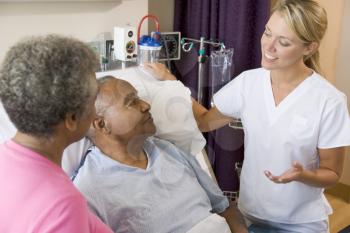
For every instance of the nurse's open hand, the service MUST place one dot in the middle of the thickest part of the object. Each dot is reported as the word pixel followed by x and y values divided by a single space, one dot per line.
pixel 292 174
pixel 159 71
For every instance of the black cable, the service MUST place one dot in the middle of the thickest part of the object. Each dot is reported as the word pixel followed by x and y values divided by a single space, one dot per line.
pixel 162 38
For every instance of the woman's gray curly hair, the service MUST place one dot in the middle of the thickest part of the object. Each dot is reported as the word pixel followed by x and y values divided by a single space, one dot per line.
pixel 44 78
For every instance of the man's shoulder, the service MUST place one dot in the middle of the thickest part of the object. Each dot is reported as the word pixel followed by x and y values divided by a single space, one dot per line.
pixel 88 171
pixel 160 147
pixel 158 143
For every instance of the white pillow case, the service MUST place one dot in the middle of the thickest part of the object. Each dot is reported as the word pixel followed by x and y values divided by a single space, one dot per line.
pixel 7 129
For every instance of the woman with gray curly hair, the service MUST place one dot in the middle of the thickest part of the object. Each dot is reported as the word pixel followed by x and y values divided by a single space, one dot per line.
pixel 48 88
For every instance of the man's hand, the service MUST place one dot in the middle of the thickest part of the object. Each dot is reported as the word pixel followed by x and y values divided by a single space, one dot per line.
pixel 159 71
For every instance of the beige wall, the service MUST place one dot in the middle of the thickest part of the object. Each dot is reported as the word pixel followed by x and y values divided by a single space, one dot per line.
pixel 342 72
pixel 164 10
pixel 84 20
pixel 330 43
pixel 335 56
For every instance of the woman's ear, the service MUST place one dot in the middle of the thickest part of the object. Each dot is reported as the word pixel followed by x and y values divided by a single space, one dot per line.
pixel 311 49
pixel 71 121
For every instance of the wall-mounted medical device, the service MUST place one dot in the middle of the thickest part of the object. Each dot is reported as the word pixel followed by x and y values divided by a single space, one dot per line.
pixel 128 44
pixel 171 46
pixel 125 43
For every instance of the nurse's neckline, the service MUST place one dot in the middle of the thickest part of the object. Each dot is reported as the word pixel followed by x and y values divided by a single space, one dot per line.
pixel 281 90
pixel 292 81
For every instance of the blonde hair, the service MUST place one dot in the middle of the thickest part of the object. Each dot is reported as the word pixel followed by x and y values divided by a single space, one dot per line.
pixel 308 20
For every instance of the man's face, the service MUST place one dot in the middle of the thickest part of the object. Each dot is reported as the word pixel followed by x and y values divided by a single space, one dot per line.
pixel 126 115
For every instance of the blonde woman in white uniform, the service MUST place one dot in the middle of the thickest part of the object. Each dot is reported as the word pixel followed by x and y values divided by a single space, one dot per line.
pixel 296 124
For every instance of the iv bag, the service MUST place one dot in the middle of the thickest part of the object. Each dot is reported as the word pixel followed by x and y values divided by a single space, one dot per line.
pixel 221 63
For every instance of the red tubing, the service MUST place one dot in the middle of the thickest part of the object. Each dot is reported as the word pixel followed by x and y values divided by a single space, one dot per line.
pixel 140 24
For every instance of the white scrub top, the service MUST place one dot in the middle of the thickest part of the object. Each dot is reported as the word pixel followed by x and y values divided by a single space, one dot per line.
pixel 314 115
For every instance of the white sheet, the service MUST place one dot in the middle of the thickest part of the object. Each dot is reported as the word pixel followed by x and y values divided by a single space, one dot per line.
pixel 7 129
pixel 212 224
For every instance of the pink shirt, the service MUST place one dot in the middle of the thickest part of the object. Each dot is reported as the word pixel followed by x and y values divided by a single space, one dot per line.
pixel 37 196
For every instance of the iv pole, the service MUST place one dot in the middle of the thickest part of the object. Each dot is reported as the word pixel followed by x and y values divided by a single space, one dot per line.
pixel 187 45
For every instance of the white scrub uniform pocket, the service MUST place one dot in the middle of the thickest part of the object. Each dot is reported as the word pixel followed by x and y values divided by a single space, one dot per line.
pixel 301 128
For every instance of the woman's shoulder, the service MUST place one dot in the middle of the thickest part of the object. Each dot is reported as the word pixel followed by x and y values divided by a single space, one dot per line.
pixel 254 72
pixel 253 75
pixel 248 79
pixel 326 89
pixel 58 188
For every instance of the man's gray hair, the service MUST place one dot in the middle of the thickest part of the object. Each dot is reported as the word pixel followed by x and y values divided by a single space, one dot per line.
pixel 44 78
pixel 100 108
pixel 105 79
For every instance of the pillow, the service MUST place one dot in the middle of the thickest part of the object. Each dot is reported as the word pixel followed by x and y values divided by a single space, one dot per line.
pixel 7 129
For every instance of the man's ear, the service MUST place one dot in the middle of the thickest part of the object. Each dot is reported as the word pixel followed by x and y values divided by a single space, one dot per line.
pixel 71 121
pixel 311 49
pixel 100 125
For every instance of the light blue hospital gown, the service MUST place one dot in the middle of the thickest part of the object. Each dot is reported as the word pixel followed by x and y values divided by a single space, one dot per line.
pixel 170 196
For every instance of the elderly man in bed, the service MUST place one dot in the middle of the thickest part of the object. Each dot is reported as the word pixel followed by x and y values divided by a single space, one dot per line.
pixel 138 183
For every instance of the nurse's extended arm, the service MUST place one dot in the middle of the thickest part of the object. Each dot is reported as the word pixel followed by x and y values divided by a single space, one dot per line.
pixel 328 173
pixel 159 71
pixel 207 120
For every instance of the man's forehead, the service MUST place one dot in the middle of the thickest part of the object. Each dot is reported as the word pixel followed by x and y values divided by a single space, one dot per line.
pixel 117 88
